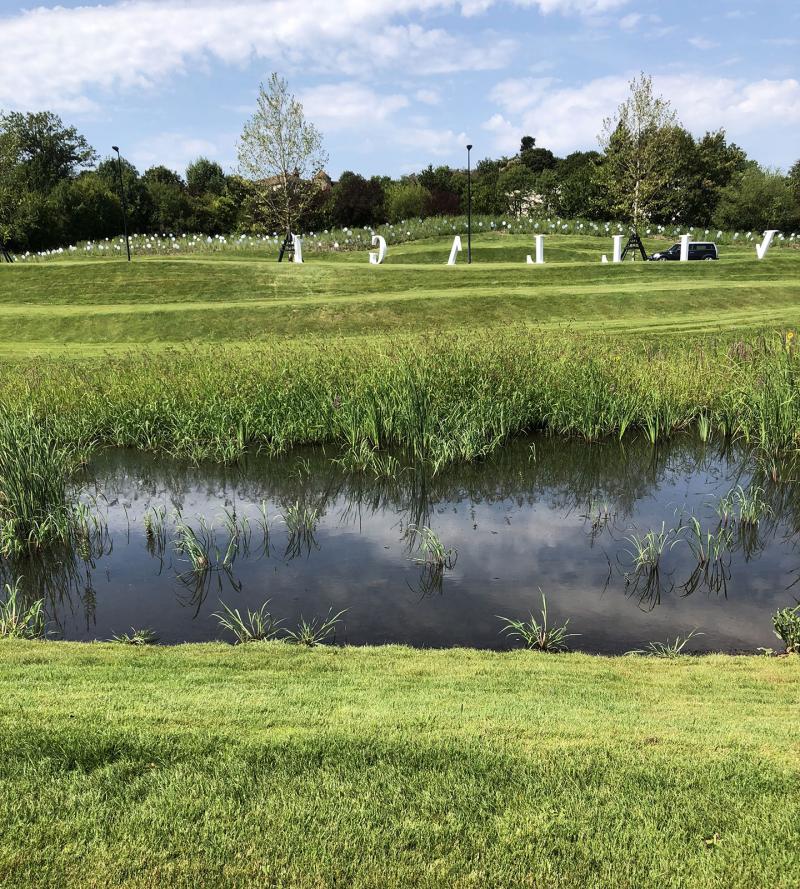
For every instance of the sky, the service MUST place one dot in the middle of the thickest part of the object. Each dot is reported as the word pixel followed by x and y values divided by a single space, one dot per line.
pixel 394 85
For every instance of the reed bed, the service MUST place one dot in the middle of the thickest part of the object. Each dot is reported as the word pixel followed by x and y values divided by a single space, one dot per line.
pixel 440 401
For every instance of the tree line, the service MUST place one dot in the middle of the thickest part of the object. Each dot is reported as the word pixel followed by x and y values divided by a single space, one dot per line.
pixel 56 190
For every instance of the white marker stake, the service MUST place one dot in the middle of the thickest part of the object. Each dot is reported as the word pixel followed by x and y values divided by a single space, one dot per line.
pixel 761 249
pixel 617 248
pixel 455 250
pixel 685 248
pixel 539 249
pixel 298 248
pixel 380 243
pixel 604 258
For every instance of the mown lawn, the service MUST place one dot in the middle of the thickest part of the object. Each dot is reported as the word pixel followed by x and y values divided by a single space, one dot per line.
pixel 83 306
pixel 210 765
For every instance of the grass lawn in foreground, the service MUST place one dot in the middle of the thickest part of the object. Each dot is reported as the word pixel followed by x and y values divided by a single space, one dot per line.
pixel 268 765
pixel 83 306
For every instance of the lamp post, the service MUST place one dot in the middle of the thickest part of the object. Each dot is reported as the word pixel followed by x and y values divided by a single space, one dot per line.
pixel 124 205
pixel 469 206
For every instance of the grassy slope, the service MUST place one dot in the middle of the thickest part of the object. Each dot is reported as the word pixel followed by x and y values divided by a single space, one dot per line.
pixel 90 305
pixel 268 765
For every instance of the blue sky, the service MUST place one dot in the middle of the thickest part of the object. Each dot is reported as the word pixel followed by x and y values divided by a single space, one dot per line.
pixel 397 85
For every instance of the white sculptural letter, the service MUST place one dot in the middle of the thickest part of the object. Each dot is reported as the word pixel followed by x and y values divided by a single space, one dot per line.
pixel 380 243
pixel 684 248
pixel 539 239
pixel 617 248
pixel 761 249
pixel 455 250
pixel 298 248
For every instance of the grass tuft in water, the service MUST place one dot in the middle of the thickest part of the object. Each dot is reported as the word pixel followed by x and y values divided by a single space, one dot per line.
pixel 256 626
pixel 537 635
pixel 434 552
pixel 17 621
pixel 668 649
pixel 35 466
pixel 143 636
pixel 316 631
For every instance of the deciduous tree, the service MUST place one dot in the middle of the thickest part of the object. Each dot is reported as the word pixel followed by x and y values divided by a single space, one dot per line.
pixel 282 152
pixel 641 153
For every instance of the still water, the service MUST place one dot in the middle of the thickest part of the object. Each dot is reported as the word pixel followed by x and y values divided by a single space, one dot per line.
pixel 545 514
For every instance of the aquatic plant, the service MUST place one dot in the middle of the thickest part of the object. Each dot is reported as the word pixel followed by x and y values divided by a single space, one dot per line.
pixel 646 549
pixel 35 465
pixel 196 547
pixel 537 635
pixel 256 626
pixel 668 649
pixel 301 521
pixel 434 552
pixel 786 624
pixel 144 636
pixel 154 523
pixel 18 621
pixel 316 631
pixel 708 546
pixel 200 547
pixel 750 505
pixel 437 402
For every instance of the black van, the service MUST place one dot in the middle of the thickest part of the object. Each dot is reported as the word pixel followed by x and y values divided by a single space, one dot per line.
pixel 697 250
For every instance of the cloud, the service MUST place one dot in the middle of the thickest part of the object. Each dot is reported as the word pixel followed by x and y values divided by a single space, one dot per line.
pixel 428 97
pixel 176 151
pixel 702 43
pixel 334 106
pixel 566 118
pixel 57 57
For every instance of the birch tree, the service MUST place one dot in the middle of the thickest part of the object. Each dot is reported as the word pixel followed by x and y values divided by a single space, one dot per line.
pixel 281 152
pixel 641 154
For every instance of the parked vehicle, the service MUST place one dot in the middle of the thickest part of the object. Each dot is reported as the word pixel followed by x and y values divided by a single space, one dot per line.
pixel 697 250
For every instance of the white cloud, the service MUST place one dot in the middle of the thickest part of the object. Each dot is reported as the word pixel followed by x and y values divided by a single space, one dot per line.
pixel 565 118
pixel 702 43
pixel 430 141
pixel 176 151
pixel 428 97
pixel 629 22
pixel 57 57
pixel 334 106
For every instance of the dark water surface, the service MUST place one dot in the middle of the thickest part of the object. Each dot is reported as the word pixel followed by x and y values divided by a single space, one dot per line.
pixel 545 514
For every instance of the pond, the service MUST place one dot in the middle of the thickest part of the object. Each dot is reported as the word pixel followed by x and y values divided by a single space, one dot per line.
pixel 562 517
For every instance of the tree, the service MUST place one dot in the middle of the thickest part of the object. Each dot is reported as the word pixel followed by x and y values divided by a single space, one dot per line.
pixel 706 166
pixel 11 195
pixel 580 189
pixel 517 183
pixel 168 198
pixel 794 182
pixel 205 177
pixel 47 151
pixel 487 197
pixel 758 199
pixel 357 201
pixel 535 159
pixel 84 209
pixel 282 152
pixel 137 196
pixel 641 154
pixel 406 199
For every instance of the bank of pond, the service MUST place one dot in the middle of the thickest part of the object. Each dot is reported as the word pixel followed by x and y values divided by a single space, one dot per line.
pixel 687 546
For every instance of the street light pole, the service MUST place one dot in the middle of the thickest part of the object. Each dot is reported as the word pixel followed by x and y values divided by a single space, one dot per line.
pixel 124 204
pixel 469 206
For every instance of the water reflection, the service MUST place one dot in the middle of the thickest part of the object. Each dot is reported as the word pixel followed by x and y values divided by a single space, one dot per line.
pixel 543 513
